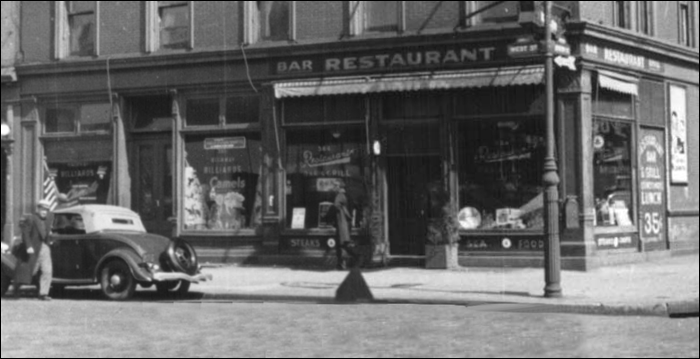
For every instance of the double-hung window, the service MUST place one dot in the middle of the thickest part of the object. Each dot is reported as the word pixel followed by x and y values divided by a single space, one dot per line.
pixel 76 28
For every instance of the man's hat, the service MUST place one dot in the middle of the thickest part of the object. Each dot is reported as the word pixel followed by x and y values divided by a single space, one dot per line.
pixel 44 204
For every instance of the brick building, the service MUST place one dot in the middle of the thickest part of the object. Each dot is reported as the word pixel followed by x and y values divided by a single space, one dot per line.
pixel 229 124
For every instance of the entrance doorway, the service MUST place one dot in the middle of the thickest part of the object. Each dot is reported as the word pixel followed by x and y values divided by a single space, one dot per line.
pixel 152 181
pixel 409 179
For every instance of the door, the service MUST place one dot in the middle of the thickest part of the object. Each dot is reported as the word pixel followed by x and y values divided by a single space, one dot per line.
pixel 409 179
pixel 152 182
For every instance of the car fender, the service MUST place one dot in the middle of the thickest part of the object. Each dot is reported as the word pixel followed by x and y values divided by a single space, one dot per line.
pixel 131 259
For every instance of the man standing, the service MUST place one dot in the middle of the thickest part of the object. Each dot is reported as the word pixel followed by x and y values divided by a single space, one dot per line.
pixel 34 254
pixel 342 224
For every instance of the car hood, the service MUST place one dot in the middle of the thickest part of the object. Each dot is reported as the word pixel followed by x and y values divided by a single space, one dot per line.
pixel 143 243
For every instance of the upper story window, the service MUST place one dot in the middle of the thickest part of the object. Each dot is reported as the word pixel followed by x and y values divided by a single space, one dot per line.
pixel 645 22
pixel 377 16
pixel 621 13
pixel 685 24
pixel 270 21
pixel 169 25
pixel 76 28
pixel 75 119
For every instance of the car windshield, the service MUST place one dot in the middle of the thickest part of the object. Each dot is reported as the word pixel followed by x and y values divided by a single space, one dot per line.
pixel 68 223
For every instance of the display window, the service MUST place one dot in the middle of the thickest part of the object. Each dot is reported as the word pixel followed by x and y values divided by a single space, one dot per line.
pixel 500 174
pixel 318 163
pixel 222 182
pixel 612 173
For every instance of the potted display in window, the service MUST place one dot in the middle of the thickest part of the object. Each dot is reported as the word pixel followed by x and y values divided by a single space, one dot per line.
pixel 441 250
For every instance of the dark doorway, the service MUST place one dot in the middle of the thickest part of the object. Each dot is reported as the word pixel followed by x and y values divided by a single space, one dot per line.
pixel 409 179
pixel 152 181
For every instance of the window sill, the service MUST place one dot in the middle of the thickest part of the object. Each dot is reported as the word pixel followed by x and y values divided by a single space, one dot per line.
pixel 612 230
pixel 501 232
pixel 239 233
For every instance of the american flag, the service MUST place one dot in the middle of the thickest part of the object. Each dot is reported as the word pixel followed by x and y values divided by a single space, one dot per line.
pixel 50 189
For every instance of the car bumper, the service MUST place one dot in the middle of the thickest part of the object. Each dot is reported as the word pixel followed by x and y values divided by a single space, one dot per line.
pixel 171 277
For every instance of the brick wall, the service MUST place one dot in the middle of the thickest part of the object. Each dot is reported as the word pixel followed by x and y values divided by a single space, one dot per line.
pixel 599 12
pixel 218 24
pixel 321 19
pixel 36 30
pixel 121 27
pixel 10 29
pixel 424 15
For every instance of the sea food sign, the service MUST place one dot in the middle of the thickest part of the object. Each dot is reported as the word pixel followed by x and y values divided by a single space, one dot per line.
pixel 392 60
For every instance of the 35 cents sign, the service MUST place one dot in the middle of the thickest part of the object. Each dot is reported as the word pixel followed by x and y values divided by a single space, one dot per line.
pixel 652 186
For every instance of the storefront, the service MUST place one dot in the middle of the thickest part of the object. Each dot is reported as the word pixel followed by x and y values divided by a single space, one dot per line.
pixel 247 168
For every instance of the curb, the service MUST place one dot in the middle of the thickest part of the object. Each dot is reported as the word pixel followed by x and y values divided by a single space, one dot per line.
pixel 679 309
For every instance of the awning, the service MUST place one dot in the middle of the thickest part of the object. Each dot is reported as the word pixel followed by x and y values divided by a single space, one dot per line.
pixel 492 77
pixel 618 82
pixel 9 74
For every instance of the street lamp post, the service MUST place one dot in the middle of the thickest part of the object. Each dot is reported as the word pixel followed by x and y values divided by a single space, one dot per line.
pixel 551 177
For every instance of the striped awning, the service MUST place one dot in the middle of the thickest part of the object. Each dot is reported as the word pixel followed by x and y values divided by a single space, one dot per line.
pixel 491 77
pixel 617 82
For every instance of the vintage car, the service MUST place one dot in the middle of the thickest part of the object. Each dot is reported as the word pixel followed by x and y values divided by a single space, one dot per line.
pixel 108 245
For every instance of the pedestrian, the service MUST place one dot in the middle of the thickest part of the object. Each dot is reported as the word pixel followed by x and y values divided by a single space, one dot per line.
pixel 33 253
pixel 342 224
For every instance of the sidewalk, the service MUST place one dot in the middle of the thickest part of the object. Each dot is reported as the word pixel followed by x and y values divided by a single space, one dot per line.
pixel 665 287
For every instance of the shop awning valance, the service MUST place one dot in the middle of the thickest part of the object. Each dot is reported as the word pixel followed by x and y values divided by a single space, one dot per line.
pixel 492 77
pixel 617 82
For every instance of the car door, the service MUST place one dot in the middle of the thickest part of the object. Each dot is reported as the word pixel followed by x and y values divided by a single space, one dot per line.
pixel 67 251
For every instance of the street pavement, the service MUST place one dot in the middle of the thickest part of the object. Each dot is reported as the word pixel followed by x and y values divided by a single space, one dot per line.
pixel 667 287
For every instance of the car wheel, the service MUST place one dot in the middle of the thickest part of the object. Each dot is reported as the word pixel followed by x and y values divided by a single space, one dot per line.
pixel 117 282
pixel 6 280
pixel 182 257
pixel 177 288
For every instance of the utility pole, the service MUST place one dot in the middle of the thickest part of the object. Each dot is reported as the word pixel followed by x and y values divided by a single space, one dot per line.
pixel 551 177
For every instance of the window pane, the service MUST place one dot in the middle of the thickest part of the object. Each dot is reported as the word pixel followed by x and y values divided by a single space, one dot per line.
pixel 82 34
pixel 81 6
pixel 243 109
pixel 304 110
pixel 317 163
pixel 60 120
pixel 500 174
pixel 345 108
pixel 81 182
pixel 152 113
pixel 175 27
pixel 204 112
pixel 505 12
pixel 612 173
pixel 222 182
pixel 274 19
pixel 381 16
pixel 685 25
pixel 95 118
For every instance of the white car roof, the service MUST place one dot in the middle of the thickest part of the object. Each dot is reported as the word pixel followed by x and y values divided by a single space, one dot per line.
pixel 98 218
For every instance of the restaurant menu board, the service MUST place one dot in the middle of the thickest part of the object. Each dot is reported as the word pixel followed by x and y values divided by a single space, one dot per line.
pixel 652 184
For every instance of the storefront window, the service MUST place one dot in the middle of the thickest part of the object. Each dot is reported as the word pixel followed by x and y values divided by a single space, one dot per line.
pixel 60 120
pixel 71 119
pixel 500 174
pixel 612 173
pixel 318 162
pixel 222 182
pixel 242 109
pixel 203 112
pixel 81 170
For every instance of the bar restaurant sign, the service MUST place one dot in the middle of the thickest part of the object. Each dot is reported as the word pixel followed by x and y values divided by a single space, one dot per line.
pixel 441 57
pixel 621 58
